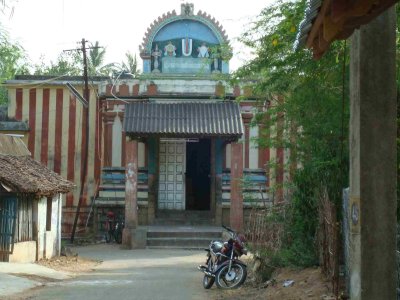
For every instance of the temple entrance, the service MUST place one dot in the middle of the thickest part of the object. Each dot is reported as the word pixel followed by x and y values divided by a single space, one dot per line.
pixel 198 169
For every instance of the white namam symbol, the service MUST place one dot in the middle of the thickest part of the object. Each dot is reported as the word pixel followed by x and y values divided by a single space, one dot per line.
pixel 203 50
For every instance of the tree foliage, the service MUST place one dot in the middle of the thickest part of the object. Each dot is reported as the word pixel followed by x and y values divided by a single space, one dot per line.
pixel 71 63
pixel 307 97
pixel 13 61
pixel 130 64
pixel 67 63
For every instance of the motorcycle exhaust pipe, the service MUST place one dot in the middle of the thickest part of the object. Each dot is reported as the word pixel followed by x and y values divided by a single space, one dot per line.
pixel 204 270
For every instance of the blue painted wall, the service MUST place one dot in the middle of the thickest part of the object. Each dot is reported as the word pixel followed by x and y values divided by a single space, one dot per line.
pixel 146 66
pixel 186 28
pixel 225 67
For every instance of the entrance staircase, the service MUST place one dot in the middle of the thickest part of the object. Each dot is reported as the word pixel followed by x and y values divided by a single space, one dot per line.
pixel 182 230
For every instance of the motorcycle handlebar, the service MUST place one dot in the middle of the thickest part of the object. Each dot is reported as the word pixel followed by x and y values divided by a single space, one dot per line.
pixel 228 229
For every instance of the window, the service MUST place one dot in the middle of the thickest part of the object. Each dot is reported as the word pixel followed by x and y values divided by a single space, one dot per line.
pixel 48 214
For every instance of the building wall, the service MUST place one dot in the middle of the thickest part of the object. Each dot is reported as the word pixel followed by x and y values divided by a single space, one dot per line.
pixel 24 252
pixel 57 134
pixel 53 236
pixel 48 242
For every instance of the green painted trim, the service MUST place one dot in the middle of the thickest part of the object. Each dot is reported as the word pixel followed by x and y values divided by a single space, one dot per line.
pixel 219 152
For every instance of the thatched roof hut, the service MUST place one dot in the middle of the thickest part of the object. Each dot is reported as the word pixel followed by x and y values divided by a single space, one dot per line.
pixel 22 174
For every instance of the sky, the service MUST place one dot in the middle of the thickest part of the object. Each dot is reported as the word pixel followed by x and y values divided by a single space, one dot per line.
pixel 47 27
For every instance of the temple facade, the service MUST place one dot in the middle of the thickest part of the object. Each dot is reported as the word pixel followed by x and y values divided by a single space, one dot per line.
pixel 170 141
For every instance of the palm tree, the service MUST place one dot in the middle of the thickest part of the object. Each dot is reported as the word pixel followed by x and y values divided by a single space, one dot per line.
pixel 96 61
pixel 130 65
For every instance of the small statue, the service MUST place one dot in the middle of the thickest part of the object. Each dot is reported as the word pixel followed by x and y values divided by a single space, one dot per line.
pixel 169 50
pixel 203 50
pixel 187 9
pixel 156 54
pixel 215 62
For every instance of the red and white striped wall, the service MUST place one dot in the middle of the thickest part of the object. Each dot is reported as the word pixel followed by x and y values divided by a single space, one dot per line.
pixel 57 134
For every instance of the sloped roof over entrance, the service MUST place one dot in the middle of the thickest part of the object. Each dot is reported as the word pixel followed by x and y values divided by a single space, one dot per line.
pixel 188 119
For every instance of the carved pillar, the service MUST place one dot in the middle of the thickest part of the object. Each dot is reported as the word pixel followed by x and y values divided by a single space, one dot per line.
pixel 236 211
pixel 131 208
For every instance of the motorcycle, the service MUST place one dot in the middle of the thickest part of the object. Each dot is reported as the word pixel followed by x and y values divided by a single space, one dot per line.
pixel 113 227
pixel 223 265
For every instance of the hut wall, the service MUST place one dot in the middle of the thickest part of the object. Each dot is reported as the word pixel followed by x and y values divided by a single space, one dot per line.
pixel 53 229
pixel 25 249
pixel 41 226
pixel 24 252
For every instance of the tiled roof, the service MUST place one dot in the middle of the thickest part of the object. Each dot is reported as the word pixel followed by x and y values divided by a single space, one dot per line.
pixel 326 21
pixel 310 13
pixel 184 119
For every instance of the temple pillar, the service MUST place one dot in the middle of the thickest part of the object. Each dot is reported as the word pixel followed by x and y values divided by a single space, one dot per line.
pixel 131 187
pixel 246 122
pixel 108 119
pixel 153 165
pixel 212 176
pixel 123 139
pixel 236 209
pixel 372 207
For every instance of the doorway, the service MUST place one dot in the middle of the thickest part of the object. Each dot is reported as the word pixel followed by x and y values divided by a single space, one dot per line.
pixel 198 159
pixel 171 187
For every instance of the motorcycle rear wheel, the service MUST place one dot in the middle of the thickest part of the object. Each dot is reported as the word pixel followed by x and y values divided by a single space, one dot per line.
pixel 232 280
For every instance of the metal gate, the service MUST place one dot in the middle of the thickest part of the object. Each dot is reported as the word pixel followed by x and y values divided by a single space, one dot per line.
pixel 8 216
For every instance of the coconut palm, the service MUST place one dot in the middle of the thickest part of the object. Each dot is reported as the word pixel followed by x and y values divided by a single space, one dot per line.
pixel 96 61
pixel 130 65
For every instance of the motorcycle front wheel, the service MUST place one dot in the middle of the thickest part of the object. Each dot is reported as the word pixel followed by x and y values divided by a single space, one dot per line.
pixel 232 279
pixel 208 281
pixel 118 237
pixel 108 236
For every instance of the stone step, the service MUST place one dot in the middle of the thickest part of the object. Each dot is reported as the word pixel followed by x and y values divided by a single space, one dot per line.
pixel 187 237
pixel 185 217
pixel 187 243
pixel 182 222
pixel 185 234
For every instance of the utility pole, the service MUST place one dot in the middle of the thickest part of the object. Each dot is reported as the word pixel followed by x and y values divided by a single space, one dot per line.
pixel 85 123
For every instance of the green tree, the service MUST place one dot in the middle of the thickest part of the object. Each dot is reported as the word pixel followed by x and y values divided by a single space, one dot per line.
pixel 130 64
pixel 67 63
pixel 13 61
pixel 306 96
pixel 96 63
